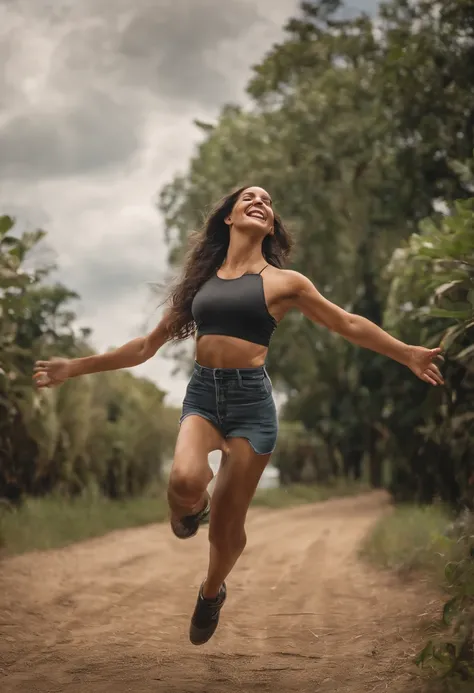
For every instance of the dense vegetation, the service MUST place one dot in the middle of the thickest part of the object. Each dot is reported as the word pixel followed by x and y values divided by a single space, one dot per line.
pixel 105 434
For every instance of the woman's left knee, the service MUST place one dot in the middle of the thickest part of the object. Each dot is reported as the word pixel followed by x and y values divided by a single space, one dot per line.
pixel 228 536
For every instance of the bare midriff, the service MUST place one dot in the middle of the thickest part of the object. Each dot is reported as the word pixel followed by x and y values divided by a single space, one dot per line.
pixel 216 351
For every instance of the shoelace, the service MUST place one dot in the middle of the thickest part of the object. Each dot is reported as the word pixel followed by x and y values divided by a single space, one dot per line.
pixel 213 608
pixel 214 605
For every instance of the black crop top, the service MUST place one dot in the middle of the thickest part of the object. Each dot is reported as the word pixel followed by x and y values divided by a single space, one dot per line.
pixel 234 308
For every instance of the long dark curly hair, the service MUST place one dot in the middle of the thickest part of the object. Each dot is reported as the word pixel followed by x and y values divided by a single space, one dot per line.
pixel 206 253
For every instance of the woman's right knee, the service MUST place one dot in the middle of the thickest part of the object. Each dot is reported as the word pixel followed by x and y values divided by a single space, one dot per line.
pixel 188 482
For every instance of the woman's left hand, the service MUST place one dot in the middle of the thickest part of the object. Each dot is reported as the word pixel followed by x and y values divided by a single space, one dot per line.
pixel 421 362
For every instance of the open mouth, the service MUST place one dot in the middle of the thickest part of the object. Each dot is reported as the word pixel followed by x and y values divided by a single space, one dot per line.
pixel 256 214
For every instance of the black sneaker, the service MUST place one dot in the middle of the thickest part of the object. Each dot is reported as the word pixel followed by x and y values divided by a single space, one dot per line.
pixel 206 616
pixel 187 527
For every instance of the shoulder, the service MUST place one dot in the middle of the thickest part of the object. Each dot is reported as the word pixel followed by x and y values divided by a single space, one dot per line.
pixel 293 283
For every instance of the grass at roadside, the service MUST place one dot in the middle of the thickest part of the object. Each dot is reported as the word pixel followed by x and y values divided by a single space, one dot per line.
pixel 53 522
pixel 298 494
pixel 411 539
pixel 424 541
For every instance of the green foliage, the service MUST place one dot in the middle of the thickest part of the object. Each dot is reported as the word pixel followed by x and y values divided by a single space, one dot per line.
pixel 431 299
pixel 433 276
pixel 109 430
pixel 454 653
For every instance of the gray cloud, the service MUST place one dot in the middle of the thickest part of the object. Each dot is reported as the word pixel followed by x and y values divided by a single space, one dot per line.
pixel 99 69
pixel 89 133
pixel 7 87
pixel 354 8
pixel 159 47
pixel 173 51
pixel 117 266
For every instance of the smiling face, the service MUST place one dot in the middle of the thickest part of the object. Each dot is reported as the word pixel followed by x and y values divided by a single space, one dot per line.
pixel 252 212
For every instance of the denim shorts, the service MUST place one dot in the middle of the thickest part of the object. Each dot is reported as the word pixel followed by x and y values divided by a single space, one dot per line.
pixel 238 401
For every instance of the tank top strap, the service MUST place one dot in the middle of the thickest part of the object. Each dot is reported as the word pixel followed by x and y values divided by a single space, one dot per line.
pixel 264 268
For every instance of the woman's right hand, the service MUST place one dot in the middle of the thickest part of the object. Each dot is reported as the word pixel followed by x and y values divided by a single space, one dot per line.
pixel 51 373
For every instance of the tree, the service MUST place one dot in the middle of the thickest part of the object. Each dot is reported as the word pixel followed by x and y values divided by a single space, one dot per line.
pixel 432 298
pixel 111 431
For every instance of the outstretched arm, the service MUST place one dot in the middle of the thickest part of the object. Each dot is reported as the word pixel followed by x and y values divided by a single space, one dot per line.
pixel 133 353
pixel 363 332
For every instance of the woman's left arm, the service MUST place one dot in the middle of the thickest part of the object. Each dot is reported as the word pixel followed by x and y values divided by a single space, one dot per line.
pixel 363 332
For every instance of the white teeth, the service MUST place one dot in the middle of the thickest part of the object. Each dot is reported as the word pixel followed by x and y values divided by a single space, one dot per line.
pixel 259 215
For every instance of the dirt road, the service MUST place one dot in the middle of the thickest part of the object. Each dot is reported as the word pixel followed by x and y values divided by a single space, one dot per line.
pixel 303 613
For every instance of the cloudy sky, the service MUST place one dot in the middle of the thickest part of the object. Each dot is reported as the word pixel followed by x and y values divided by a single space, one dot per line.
pixel 97 101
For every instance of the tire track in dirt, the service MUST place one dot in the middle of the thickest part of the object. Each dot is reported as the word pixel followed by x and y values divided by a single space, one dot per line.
pixel 303 613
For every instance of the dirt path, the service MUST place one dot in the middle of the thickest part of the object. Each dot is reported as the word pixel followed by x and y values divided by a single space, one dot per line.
pixel 111 615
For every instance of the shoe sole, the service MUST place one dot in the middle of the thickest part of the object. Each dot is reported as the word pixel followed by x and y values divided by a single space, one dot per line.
pixel 204 520
pixel 197 637
pixel 196 640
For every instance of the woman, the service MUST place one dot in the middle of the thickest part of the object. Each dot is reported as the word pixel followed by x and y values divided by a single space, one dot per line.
pixel 232 294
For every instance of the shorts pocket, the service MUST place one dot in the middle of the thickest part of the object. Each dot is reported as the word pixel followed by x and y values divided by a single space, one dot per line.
pixel 255 389
pixel 254 385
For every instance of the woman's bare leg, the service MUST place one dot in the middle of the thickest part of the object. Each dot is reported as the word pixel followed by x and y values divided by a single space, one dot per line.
pixel 237 480
pixel 190 473
pixel 235 487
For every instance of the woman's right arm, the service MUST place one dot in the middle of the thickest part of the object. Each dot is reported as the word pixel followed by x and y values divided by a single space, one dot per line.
pixel 133 353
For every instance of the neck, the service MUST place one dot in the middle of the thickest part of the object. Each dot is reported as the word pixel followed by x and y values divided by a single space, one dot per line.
pixel 243 253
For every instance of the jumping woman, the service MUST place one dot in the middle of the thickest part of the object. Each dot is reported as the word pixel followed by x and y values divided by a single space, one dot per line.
pixel 232 294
